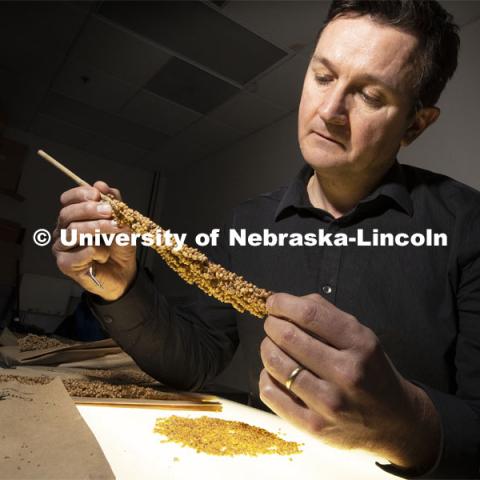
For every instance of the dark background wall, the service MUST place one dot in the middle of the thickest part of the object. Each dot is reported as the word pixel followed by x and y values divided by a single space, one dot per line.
pixel 198 98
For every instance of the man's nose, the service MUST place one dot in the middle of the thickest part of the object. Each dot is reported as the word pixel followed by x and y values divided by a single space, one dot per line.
pixel 332 108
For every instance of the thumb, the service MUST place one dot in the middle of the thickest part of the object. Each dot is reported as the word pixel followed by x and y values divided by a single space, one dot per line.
pixel 105 189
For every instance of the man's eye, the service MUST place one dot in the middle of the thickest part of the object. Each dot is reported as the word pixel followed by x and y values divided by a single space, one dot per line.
pixel 322 79
pixel 371 100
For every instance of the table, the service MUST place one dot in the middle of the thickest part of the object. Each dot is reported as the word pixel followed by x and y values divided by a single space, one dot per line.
pixel 135 452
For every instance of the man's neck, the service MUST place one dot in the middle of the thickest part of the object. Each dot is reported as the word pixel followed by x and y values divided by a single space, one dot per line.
pixel 337 194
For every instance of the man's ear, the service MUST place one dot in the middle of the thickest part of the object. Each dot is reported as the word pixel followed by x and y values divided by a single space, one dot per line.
pixel 423 119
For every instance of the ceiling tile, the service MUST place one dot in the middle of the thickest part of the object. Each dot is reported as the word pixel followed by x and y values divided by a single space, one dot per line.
pixel 210 132
pixel 196 142
pixel 189 86
pixel 158 113
pixel 247 112
pixel 60 132
pixel 81 81
pixel 118 52
pixel 100 122
pixel 116 151
pixel 199 33
pixel 35 36
pixel 283 85
pixel 175 154
pixel 288 24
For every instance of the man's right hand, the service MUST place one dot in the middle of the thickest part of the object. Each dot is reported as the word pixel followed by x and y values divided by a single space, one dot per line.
pixel 115 266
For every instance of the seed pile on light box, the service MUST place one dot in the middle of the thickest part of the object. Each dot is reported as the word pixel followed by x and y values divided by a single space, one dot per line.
pixel 216 436
pixel 189 263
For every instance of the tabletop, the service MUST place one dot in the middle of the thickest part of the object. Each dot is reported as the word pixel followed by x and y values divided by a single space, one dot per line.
pixel 134 451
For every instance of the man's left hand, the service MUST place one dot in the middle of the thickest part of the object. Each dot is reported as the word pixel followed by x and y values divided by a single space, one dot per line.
pixel 348 393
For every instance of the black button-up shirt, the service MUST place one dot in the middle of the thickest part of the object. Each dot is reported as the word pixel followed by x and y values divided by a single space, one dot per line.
pixel 423 302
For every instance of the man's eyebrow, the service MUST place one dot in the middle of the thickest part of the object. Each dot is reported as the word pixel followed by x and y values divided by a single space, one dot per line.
pixel 365 77
pixel 323 61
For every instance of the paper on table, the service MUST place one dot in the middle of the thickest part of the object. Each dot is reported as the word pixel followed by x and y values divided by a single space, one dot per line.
pixel 99 344
pixel 128 376
pixel 43 436
pixel 58 355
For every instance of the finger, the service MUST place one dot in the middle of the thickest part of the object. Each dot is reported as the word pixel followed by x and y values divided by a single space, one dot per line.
pixel 316 315
pixel 79 194
pixel 320 395
pixel 77 262
pixel 69 238
pixel 104 188
pixel 315 355
pixel 83 211
pixel 288 407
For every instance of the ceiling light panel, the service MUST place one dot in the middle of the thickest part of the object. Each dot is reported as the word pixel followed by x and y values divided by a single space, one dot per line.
pixel 118 52
pixel 87 84
pixel 158 113
pixel 189 86
pixel 288 24
pixel 199 33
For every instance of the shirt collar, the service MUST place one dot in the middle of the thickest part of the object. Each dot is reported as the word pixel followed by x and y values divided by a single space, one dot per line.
pixel 393 185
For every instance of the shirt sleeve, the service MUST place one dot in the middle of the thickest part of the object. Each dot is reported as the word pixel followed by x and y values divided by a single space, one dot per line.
pixel 459 412
pixel 459 453
pixel 184 346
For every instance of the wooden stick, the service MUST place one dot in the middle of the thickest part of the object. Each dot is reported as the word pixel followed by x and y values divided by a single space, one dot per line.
pixel 67 172
pixel 141 403
pixel 62 168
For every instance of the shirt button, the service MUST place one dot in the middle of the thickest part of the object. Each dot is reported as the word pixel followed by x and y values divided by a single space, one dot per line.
pixel 108 319
pixel 327 289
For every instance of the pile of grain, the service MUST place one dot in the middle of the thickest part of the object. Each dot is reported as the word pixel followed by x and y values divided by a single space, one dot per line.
pixel 37 342
pixel 215 436
pixel 119 376
pixel 194 267
pixel 96 388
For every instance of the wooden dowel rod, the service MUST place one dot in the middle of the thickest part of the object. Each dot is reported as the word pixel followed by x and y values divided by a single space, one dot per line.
pixel 67 172
pixel 64 169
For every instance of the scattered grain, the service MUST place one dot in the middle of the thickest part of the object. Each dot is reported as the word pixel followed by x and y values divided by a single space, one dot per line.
pixel 215 436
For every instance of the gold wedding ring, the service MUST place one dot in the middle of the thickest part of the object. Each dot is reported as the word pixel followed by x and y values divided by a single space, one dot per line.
pixel 291 378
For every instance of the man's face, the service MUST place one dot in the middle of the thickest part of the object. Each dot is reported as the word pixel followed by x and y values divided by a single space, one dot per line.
pixel 357 99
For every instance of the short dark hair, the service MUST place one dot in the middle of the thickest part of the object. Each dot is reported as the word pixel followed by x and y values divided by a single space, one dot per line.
pixel 434 27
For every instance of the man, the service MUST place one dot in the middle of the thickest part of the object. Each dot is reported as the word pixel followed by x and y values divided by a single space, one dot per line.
pixel 371 347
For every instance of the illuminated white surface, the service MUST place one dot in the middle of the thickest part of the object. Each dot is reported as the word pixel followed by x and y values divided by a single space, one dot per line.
pixel 135 452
